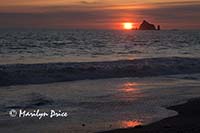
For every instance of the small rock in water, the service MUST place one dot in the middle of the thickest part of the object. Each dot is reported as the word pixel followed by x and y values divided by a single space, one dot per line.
pixel 83 125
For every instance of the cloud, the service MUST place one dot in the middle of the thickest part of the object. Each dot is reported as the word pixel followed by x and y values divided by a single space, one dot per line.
pixel 169 15
pixel 89 2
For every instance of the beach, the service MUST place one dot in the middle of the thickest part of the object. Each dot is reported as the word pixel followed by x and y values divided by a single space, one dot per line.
pixel 98 105
pixel 187 121
pixel 100 66
pixel 99 80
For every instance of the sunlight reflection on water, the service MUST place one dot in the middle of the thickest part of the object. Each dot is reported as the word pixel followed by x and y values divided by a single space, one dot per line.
pixel 129 87
pixel 127 124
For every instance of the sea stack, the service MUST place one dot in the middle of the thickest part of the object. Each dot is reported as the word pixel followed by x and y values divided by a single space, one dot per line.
pixel 147 26
pixel 158 27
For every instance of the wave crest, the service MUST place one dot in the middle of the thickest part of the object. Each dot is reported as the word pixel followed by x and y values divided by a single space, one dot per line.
pixel 58 72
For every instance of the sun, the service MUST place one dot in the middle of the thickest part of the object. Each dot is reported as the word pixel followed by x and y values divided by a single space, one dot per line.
pixel 128 26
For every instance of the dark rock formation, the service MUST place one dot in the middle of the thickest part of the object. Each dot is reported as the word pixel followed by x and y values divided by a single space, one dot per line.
pixel 158 27
pixel 147 26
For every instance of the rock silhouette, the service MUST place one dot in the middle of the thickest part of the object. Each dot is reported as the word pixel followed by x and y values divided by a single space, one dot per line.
pixel 158 27
pixel 147 26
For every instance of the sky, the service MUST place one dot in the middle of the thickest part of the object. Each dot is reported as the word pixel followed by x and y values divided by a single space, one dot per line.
pixel 99 14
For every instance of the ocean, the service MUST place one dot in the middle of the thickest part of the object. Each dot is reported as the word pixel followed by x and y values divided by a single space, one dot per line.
pixel 103 79
pixel 44 46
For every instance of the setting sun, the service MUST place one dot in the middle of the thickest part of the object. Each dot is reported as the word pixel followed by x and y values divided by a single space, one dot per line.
pixel 128 26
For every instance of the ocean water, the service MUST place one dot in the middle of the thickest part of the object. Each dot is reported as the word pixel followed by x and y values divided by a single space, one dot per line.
pixel 103 79
pixel 39 46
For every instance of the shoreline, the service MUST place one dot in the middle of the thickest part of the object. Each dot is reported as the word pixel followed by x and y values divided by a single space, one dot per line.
pixel 187 121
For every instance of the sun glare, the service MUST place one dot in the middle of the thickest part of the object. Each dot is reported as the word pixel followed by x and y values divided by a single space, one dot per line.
pixel 128 26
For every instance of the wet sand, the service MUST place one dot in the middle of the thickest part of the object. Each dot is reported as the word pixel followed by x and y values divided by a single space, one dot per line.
pixel 188 121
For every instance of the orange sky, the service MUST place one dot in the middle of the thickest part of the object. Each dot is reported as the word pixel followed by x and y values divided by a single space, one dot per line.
pixel 98 14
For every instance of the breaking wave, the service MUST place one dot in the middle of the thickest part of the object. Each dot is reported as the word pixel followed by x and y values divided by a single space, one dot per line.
pixel 14 74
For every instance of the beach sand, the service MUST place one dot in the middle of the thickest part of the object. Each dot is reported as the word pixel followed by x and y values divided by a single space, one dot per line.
pixel 187 121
